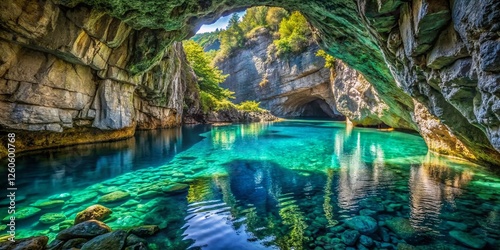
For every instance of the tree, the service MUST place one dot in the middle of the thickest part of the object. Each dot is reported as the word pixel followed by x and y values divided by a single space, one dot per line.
pixel 274 17
pixel 294 32
pixel 209 77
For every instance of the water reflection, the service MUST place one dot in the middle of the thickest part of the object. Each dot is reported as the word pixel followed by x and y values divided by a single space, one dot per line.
pixel 289 185
pixel 58 170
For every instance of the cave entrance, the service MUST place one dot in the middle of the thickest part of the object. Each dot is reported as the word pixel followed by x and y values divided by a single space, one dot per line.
pixel 310 107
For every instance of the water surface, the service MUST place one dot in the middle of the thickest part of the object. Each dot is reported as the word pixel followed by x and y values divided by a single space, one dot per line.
pixel 284 185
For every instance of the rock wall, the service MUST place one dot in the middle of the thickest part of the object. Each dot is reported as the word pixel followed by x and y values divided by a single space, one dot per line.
pixel 440 54
pixel 290 85
pixel 286 86
pixel 63 78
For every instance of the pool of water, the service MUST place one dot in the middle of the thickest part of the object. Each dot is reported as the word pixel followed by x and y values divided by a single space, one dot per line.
pixel 296 184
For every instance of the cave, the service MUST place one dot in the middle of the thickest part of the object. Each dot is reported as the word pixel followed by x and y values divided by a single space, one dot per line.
pixel 107 88
pixel 126 49
pixel 316 108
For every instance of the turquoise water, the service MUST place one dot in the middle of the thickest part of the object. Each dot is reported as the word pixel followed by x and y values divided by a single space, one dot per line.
pixel 297 184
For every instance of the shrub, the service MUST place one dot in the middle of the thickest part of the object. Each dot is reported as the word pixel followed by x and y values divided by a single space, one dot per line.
pixel 329 60
pixel 251 106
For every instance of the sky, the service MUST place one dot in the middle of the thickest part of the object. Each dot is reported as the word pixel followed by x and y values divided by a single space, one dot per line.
pixel 219 24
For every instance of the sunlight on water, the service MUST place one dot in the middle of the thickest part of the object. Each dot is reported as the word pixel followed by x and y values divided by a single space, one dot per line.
pixel 295 184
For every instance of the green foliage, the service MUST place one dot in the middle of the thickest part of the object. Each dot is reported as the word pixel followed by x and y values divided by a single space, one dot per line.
pixel 329 60
pixel 294 32
pixel 274 17
pixel 208 40
pixel 210 103
pixel 231 38
pixel 254 17
pixel 251 106
pixel 213 97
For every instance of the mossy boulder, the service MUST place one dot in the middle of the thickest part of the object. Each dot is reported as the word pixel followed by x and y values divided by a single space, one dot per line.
pixel 94 212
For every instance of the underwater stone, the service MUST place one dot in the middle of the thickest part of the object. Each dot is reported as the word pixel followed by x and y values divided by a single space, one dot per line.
pixel 23 213
pixel 74 243
pixel 367 212
pixel 148 194
pixel 144 231
pixel 138 246
pixel 176 188
pixel 114 197
pixel 363 224
pixel 94 212
pixel 31 243
pixel 63 196
pixel 366 241
pixel 402 227
pixel 48 203
pixel 112 240
pixel 82 197
pixel 349 237
pixel 133 239
pixel 130 203
pixel 458 225
pixel 467 239
pixel 52 218
pixel 86 229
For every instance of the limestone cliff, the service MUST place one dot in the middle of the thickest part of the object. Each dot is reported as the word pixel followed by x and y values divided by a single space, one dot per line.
pixel 434 63
pixel 296 85
pixel 63 79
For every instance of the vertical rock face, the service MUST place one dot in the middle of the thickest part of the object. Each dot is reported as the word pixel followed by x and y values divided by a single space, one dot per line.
pixel 442 55
pixel 64 80
pixel 296 85
pixel 445 55
pixel 356 98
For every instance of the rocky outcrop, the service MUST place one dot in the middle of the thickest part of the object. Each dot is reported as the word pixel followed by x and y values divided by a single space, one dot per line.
pixel 63 74
pixel 300 85
pixel 295 85
pixel 441 54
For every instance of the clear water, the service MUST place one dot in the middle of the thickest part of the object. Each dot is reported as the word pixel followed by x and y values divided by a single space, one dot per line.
pixel 283 185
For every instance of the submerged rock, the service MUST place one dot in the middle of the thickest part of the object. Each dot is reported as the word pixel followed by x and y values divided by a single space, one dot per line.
pixel 363 224
pixel 82 197
pixel 63 196
pixel 74 243
pixel 175 188
pixel 31 243
pixel 402 228
pixel 467 239
pixel 48 203
pixel 23 213
pixel 114 197
pixel 111 240
pixel 86 229
pixel 52 218
pixel 94 212
pixel 144 231
pixel 349 237
pixel 366 241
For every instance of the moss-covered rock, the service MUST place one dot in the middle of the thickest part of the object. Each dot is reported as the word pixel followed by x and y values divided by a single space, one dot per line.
pixel 114 197
pixel 52 218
